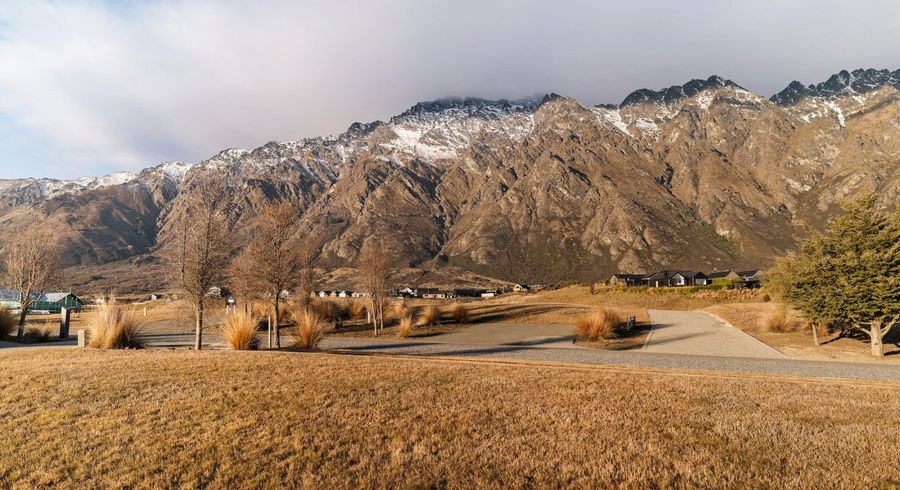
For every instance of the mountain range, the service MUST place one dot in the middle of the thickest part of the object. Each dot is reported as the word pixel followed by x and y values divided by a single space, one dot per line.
pixel 704 175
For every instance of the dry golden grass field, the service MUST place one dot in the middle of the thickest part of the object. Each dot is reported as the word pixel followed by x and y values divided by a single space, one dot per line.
pixel 183 419
pixel 797 343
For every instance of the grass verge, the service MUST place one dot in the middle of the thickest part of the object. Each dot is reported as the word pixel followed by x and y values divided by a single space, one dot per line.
pixel 78 419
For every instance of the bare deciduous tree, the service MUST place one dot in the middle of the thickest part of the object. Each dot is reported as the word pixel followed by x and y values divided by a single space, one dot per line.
pixel 373 272
pixel 31 267
pixel 273 261
pixel 197 249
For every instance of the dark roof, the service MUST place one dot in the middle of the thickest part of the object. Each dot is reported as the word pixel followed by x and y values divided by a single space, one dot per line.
pixel 48 297
pixel 671 274
pixel 749 274
pixel 718 274
pixel 625 275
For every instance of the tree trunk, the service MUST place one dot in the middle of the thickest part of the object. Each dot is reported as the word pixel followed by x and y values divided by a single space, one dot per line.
pixel 22 318
pixel 815 332
pixel 277 321
pixel 374 314
pixel 198 340
pixel 875 334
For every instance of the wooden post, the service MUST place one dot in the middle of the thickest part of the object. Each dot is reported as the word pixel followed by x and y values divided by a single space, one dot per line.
pixel 82 339
pixel 64 315
pixel 270 330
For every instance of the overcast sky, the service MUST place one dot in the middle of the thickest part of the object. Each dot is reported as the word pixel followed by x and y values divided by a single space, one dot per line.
pixel 91 87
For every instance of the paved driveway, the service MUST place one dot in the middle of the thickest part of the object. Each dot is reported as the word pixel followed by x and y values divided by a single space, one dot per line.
pixel 521 334
pixel 698 334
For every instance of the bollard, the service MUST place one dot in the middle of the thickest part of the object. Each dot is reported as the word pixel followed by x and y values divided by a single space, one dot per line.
pixel 82 339
pixel 64 316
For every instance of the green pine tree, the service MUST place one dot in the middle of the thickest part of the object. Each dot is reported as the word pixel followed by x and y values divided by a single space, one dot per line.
pixel 850 274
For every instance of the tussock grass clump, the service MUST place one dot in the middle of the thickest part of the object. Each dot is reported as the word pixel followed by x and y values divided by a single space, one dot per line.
pixel 399 309
pixel 356 309
pixel 601 323
pixel 8 322
pixel 311 329
pixel 114 326
pixel 240 330
pixel 429 315
pixel 39 333
pixel 459 313
pixel 326 309
pixel 405 327
pixel 780 321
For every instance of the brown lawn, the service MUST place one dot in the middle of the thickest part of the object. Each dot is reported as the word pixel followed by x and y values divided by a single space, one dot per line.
pixel 751 318
pixel 181 419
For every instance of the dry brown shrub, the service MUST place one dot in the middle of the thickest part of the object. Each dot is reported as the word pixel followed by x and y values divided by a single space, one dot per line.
pixel 405 327
pixel 39 333
pixel 240 330
pixel 115 326
pixel 8 322
pixel 741 295
pixel 399 309
pixel 356 309
pixel 429 315
pixel 601 323
pixel 780 321
pixel 322 307
pixel 459 313
pixel 261 310
pixel 311 328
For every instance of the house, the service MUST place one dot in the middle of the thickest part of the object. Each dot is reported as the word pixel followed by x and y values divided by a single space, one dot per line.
pixel 406 293
pixel 215 291
pixel 48 302
pixel 625 279
pixel 468 292
pixel 358 294
pixel 433 293
pixel 521 288
pixel 675 279
pixel 723 276
pixel 751 279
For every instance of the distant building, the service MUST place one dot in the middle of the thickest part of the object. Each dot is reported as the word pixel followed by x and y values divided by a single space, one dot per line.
pixel 751 279
pixel 676 279
pixel 468 292
pixel 625 279
pixel 731 276
pixel 48 302
pixel 489 294
pixel 521 288
pixel 433 293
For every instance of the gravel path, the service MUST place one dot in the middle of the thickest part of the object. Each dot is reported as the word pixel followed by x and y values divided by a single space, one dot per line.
pixel 530 352
pixel 699 334
pixel 779 367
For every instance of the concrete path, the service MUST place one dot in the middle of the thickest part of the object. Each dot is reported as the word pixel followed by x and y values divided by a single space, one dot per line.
pixel 698 334
pixel 775 367
pixel 528 334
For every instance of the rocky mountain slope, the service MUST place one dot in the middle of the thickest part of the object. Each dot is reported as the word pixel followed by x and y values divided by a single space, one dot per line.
pixel 702 175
